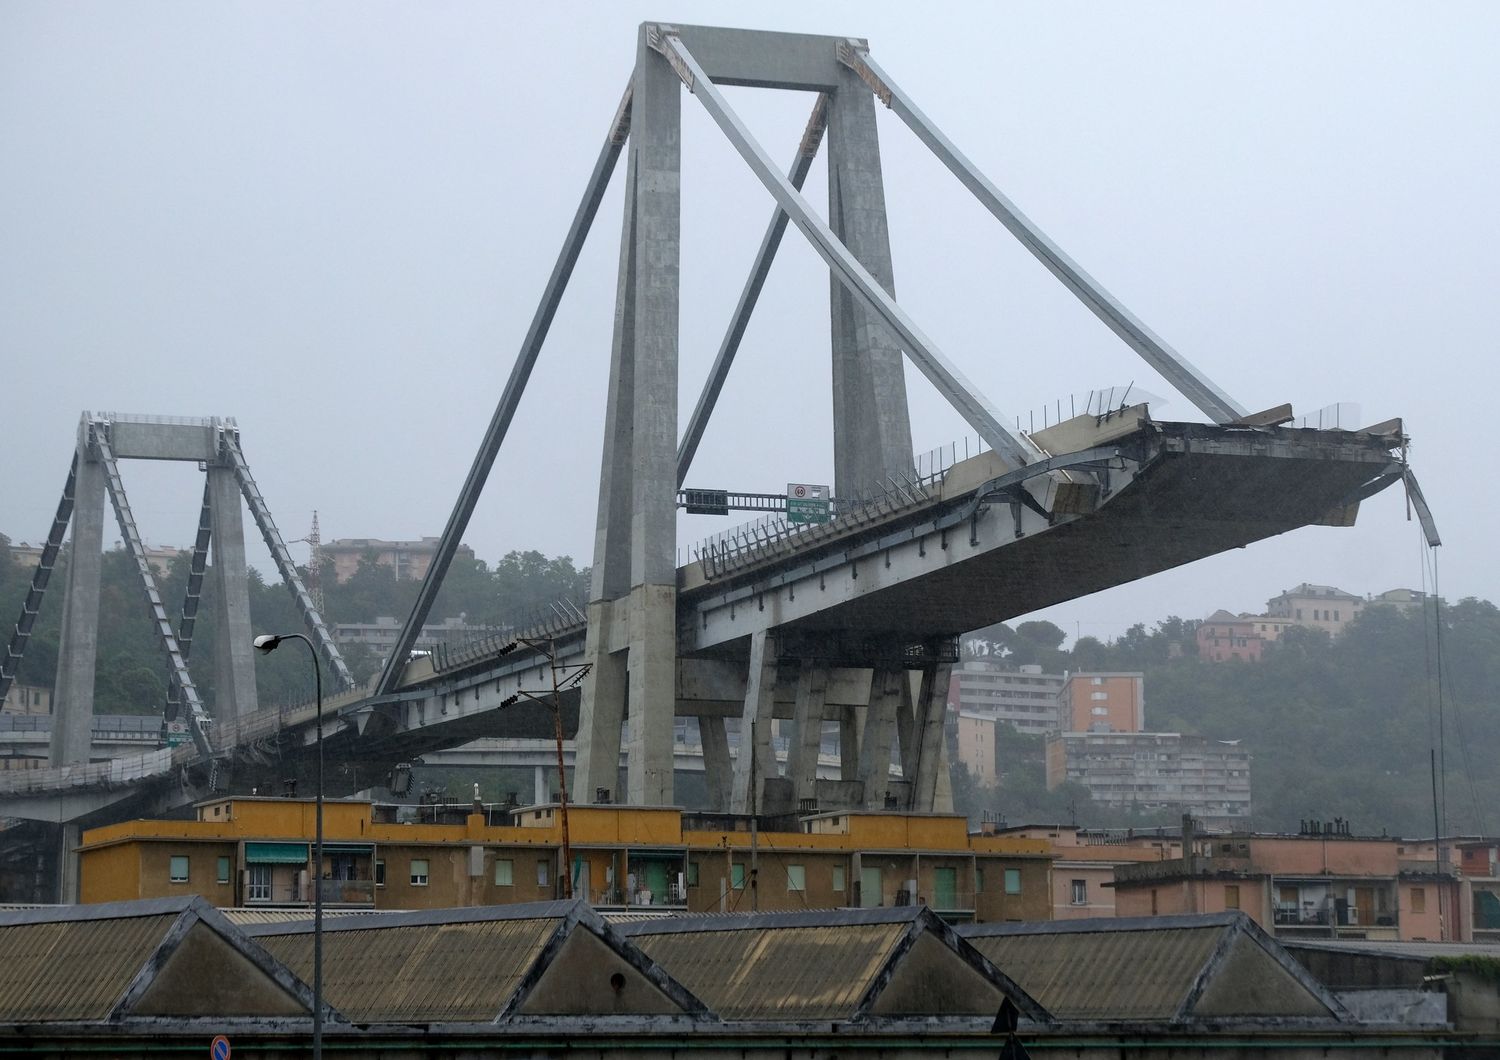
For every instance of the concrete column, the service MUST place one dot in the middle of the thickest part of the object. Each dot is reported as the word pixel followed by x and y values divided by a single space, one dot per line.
pixel 718 771
pixel 78 645
pixel 802 765
pixel 539 791
pixel 602 707
pixel 656 144
pixel 849 743
pixel 932 789
pixel 875 745
pixel 871 427
pixel 652 674
pixel 756 759
pixel 70 835
pixel 234 662
pixel 906 736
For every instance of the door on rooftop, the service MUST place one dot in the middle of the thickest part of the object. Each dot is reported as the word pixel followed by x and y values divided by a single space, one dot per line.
pixel 869 887
pixel 945 888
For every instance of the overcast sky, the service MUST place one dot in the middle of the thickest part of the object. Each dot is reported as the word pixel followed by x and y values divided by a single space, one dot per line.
pixel 332 221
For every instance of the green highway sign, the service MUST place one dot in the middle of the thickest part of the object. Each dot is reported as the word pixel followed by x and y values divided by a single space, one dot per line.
pixel 806 503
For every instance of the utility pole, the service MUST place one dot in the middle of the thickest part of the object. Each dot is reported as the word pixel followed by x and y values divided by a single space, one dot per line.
pixel 561 679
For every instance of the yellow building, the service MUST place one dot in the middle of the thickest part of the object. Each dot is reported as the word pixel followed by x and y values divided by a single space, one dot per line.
pixel 256 851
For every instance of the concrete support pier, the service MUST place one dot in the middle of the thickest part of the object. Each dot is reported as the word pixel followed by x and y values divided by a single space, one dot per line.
pixel 78 646
pixel 234 663
pixel 635 547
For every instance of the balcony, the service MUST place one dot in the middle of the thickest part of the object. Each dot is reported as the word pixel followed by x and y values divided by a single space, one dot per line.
pixel 348 892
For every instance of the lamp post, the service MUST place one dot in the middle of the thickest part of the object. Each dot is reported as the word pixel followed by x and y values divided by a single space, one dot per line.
pixel 265 644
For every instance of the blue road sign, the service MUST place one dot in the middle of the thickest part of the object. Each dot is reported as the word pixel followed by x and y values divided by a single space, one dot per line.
pixel 219 1048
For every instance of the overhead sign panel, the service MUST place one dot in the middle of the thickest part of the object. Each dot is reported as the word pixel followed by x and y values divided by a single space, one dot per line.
pixel 807 503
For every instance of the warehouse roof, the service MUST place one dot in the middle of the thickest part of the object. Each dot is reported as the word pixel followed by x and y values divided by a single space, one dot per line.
pixel 1176 968
pixel 484 964
pixel 849 964
pixel 129 961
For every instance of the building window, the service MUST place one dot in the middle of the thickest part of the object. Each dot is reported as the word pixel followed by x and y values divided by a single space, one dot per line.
pixel 1101 712
pixel 178 870
pixel 1231 896
pixel 1419 899
pixel 1098 695
pixel 692 874
pixel 1299 614
pixel 796 878
pixel 504 872
pixel 1098 680
pixel 1080 892
pixel 380 873
pixel 223 876
pixel 737 876
pixel 541 874
pixel 838 877
pixel 419 872
pixel 1012 881
pixel 258 887
pixel 1153 903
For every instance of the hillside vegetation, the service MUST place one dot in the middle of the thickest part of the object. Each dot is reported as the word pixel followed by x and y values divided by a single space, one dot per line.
pixel 1336 727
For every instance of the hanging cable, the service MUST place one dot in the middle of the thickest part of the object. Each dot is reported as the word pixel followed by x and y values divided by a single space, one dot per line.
pixel 1463 741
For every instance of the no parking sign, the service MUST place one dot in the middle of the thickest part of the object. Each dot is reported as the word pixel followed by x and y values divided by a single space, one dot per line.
pixel 218 1049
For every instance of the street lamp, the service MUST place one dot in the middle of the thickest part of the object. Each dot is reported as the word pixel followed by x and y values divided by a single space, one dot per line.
pixel 266 643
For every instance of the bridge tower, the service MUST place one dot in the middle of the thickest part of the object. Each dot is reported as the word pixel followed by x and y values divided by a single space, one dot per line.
pixel 632 643
pixel 94 475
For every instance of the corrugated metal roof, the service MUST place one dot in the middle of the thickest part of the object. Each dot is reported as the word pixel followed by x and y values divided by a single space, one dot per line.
pixel 246 915
pixel 775 973
pixel 1105 975
pixel 418 973
pixel 73 969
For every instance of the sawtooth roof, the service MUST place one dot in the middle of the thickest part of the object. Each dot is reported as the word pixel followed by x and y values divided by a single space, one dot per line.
pixel 485 964
pixel 123 962
pixel 1175 969
pixel 840 965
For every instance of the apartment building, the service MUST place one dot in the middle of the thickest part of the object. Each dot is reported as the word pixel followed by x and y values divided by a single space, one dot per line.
pixel 249 851
pixel 975 746
pixel 1102 702
pixel 1323 883
pixel 1156 771
pixel 1023 697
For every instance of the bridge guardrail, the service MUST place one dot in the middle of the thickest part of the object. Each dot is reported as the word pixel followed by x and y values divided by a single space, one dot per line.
pixel 96 774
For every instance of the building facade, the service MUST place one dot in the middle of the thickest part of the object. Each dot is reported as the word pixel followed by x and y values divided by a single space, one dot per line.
pixel 975 746
pixel 409 559
pixel 1156 771
pixel 1102 702
pixel 27 699
pixel 258 852
pixel 1084 862
pixel 1223 636
pixel 1023 697
pixel 1325 884
pixel 1316 606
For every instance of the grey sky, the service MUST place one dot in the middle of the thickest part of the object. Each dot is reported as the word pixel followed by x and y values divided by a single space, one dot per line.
pixel 332 221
